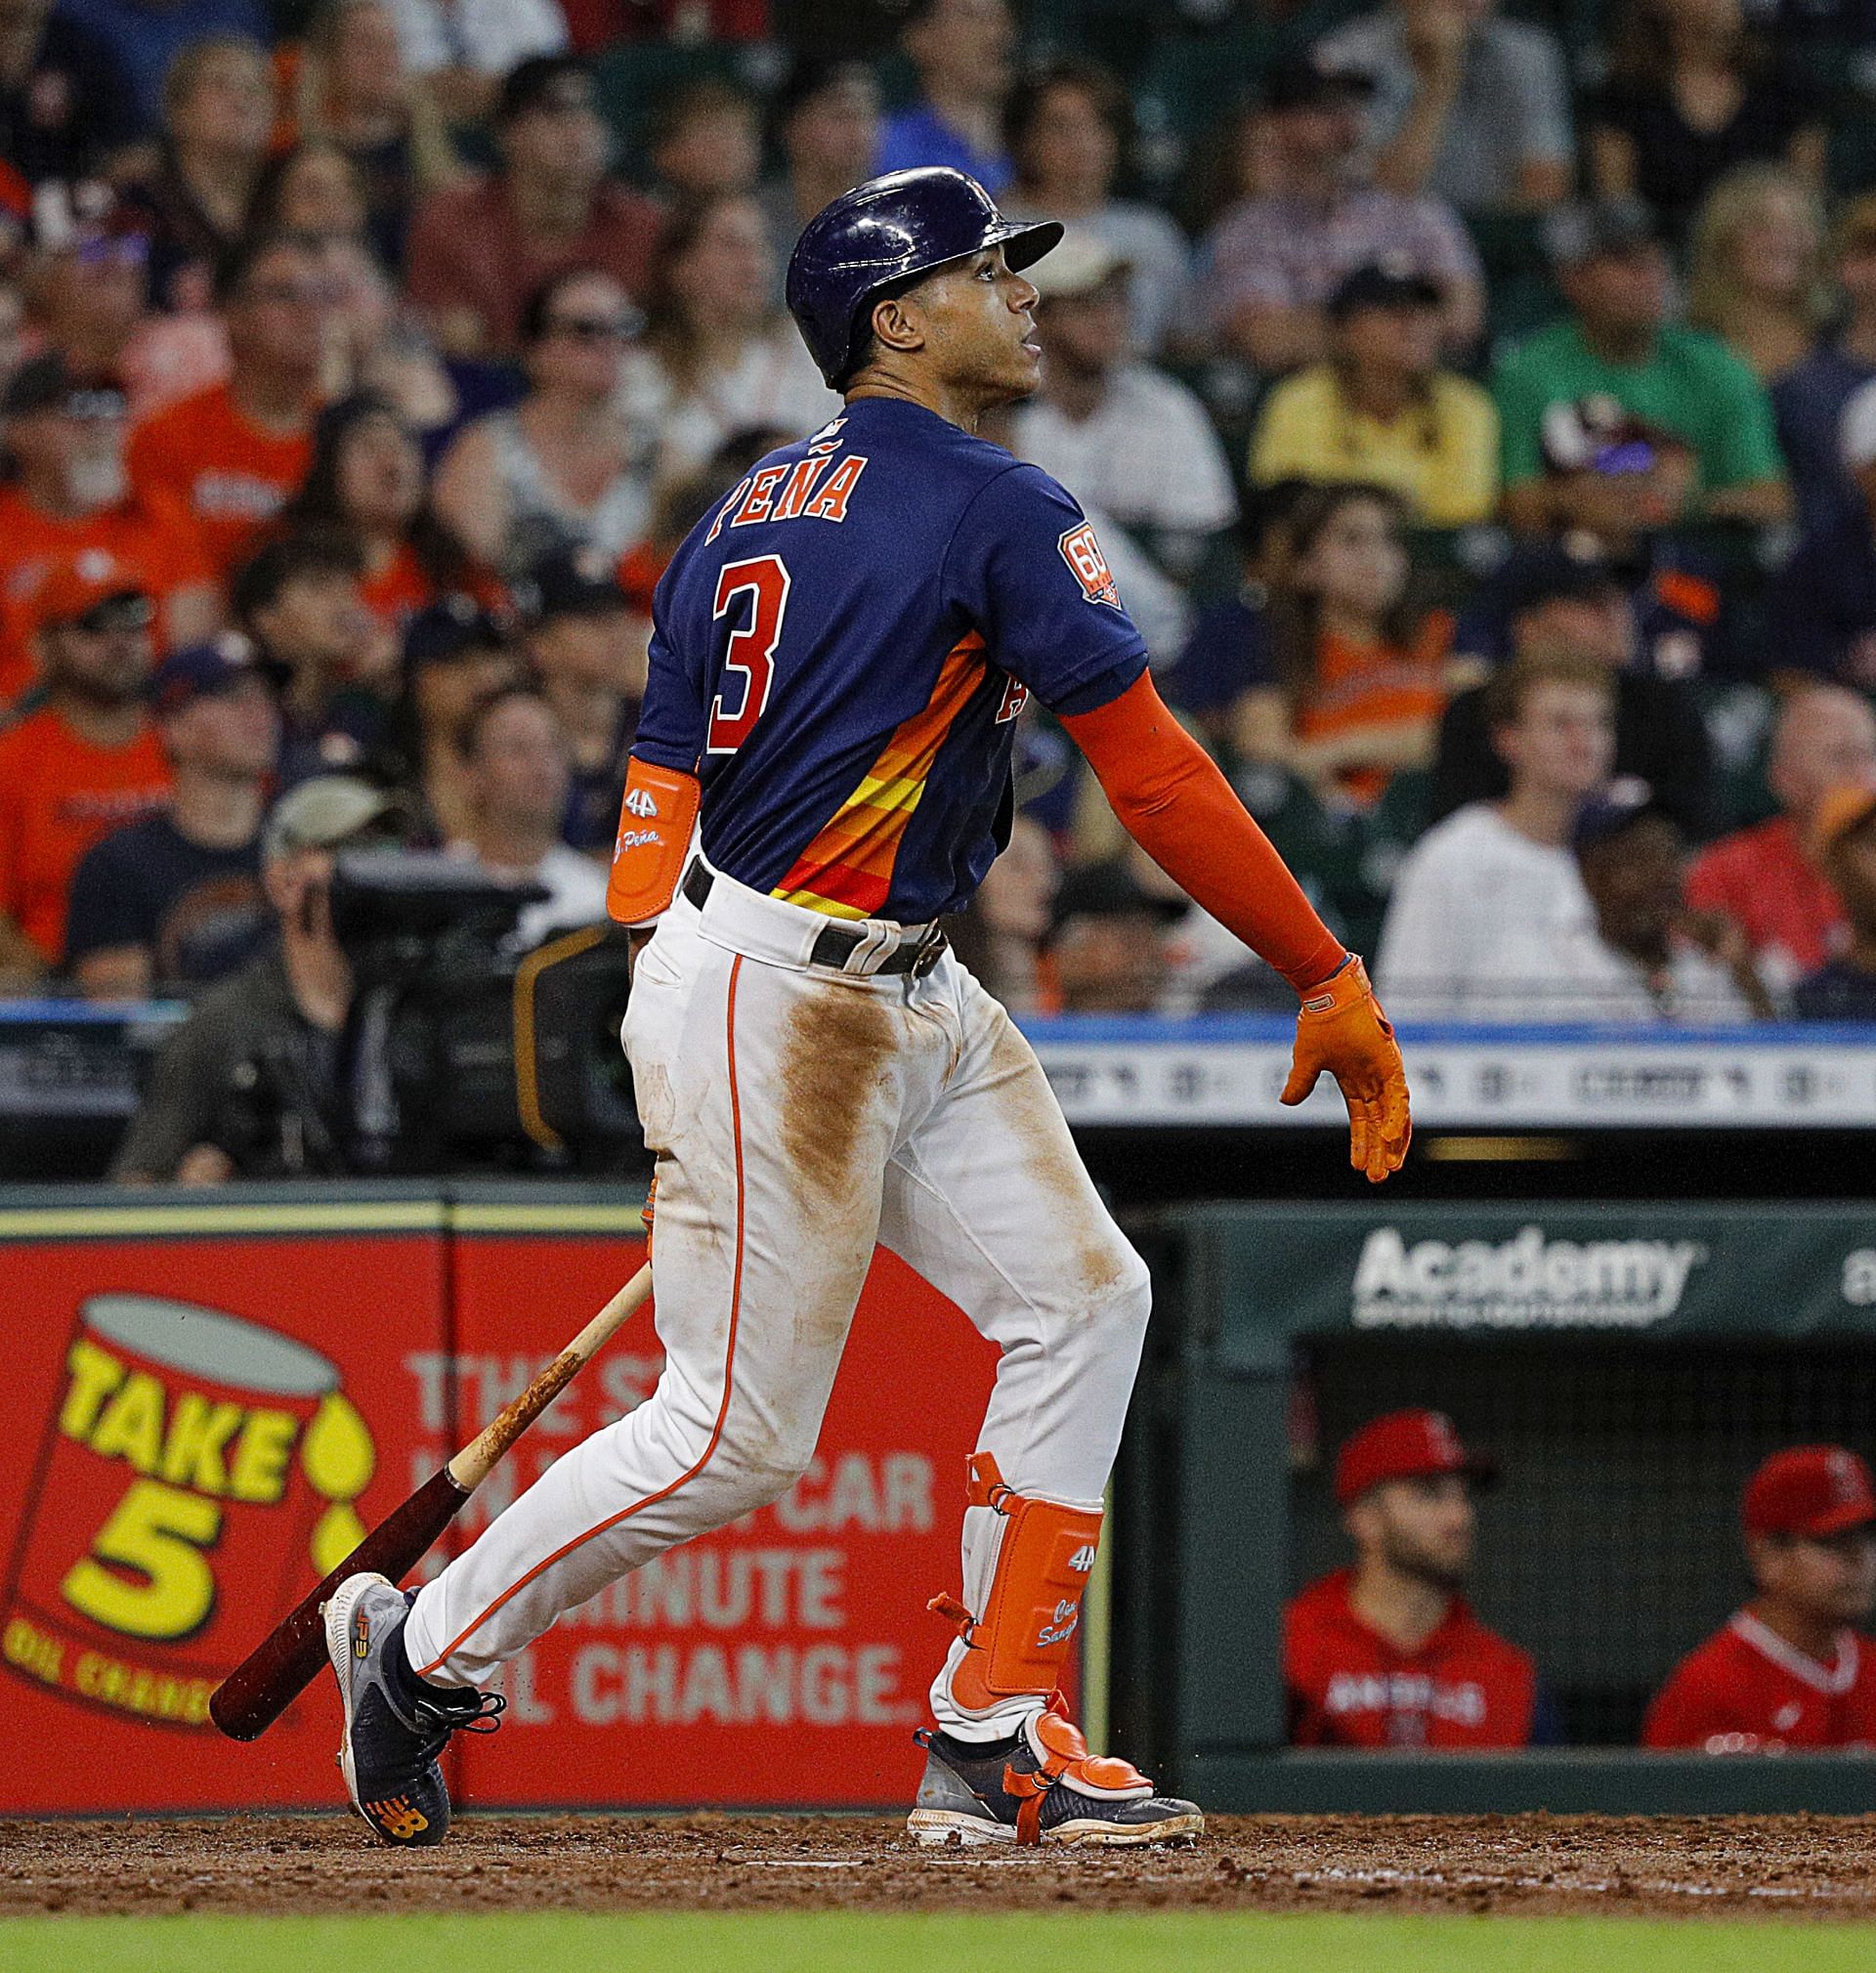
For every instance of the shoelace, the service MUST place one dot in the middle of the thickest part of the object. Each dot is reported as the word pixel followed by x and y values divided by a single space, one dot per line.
pixel 451 1719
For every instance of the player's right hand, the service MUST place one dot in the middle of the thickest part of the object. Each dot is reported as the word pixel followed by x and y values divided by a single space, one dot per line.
pixel 1342 1029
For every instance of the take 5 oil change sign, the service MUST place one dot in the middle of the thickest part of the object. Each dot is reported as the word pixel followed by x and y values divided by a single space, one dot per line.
pixel 193 1431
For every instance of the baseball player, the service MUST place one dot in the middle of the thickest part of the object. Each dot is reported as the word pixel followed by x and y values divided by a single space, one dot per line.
pixel 822 773
pixel 1790 1669
pixel 1388 1653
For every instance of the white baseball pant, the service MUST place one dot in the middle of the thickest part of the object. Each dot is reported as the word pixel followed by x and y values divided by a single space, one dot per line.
pixel 800 1115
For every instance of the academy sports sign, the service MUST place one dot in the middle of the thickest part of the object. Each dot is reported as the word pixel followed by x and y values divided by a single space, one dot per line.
pixel 1526 1282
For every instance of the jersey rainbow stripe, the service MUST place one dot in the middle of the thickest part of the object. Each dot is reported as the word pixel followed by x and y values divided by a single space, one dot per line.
pixel 846 871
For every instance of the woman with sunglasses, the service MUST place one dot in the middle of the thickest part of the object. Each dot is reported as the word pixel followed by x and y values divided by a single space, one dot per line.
pixel 561 470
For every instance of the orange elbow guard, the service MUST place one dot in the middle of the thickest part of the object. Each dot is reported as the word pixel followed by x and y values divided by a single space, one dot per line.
pixel 655 823
pixel 1017 1643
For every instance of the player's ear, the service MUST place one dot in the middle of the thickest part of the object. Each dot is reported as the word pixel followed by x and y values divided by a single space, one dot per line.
pixel 898 323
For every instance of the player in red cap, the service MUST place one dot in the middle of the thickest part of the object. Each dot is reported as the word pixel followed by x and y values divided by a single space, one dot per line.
pixel 1388 1653
pixel 1790 1669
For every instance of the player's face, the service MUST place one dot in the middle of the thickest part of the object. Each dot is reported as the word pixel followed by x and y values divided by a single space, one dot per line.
pixel 980 327
pixel 1422 1528
pixel 1831 1579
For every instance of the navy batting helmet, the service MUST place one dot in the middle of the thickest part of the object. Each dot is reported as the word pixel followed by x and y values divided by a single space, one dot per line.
pixel 889 231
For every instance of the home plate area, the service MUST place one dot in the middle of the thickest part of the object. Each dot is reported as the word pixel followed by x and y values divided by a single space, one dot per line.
pixel 1698 1867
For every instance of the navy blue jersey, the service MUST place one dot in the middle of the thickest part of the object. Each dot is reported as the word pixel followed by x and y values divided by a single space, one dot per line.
pixel 841 647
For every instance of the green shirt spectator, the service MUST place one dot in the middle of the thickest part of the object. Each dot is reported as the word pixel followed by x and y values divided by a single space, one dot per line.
pixel 1617 345
pixel 1688 383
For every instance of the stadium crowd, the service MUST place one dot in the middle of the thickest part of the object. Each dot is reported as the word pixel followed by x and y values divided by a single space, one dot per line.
pixel 1477 410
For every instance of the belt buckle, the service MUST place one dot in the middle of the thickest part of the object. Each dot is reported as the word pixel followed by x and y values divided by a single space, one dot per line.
pixel 929 950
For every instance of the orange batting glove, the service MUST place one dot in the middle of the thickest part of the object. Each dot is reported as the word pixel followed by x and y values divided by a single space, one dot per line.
pixel 1341 1028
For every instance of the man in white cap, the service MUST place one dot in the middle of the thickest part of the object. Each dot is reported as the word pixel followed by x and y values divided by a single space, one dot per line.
pixel 248 1087
pixel 1119 433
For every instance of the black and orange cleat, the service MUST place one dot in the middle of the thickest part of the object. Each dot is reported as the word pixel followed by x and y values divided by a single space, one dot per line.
pixel 1042 1786
pixel 396 1725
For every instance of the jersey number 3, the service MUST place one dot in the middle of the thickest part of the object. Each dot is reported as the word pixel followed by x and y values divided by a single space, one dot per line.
pixel 764 581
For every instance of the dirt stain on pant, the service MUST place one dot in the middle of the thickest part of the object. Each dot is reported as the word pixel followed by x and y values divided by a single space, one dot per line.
pixel 1033 1117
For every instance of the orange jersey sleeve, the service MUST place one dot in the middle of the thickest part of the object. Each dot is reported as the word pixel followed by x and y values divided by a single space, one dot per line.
pixel 1177 806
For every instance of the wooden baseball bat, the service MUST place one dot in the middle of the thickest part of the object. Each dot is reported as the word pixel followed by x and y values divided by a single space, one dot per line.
pixel 260 1689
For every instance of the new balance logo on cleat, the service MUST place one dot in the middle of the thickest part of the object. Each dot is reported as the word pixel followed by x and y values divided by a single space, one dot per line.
pixel 397 1818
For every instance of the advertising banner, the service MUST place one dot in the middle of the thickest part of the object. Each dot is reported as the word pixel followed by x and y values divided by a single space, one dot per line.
pixel 197 1419
pixel 783 1661
pixel 1653 1269
pixel 206 1401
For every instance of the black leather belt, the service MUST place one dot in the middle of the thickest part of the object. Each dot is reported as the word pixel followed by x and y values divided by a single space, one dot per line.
pixel 838 943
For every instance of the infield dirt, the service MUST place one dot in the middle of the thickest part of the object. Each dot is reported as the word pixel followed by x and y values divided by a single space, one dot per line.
pixel 1777 1866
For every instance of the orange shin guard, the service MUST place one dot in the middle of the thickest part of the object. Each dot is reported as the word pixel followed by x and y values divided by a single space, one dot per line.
pixel 1016 1644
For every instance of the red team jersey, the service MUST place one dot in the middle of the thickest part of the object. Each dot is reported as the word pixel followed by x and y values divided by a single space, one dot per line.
pixel 1350 1687
pixel 1747 1690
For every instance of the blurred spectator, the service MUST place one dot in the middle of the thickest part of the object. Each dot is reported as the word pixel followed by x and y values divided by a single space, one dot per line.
pixel 86 762
pixel 563 469
pixel 1388 1653
pixel 175 900
pixel 1499 870
pixel 1070 127
pixel 828 120
pixel 1272 262
pixel 1756 274
pixel 235 454
pixel 1381 411
pixel 515 757
pixel 1843 845
pixel 67 499
pixel 67 106
pixel 478 249
pixel 299 599
pixel 1468 106
pixel 312 189
pixel 1644 957
pixel 455 654
pixel 1229 651
pixel 1360 674
pixel 1692 92
pixel 1823 601
pixel 354 91
pixel 1000 935
pixel 1117 433
pixel 706 141
pixel 90 293
pixel 962 50
pixel 1789 1671
pixel 589 652
pixel 1616 344
pixel 1106 949
pixel 1809 399
pixel 374 343
pixel 466 49
pixel 251 1084
pixel 148 37
pixel 367 478
pixel 718 355
pixel 218 119
pixel 1765 878
pixel 1556 601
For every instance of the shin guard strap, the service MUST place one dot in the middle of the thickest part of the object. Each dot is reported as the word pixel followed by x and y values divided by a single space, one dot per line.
pixel 1019 1640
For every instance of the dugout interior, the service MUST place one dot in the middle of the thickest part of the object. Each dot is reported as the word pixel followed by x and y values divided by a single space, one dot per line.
pixel 1627 1365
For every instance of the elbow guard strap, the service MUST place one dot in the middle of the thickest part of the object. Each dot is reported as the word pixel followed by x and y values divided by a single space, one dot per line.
pixel 655 823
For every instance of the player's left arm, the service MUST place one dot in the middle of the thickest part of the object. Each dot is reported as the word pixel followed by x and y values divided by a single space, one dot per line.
pixel 1177 806
pixel 658 815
